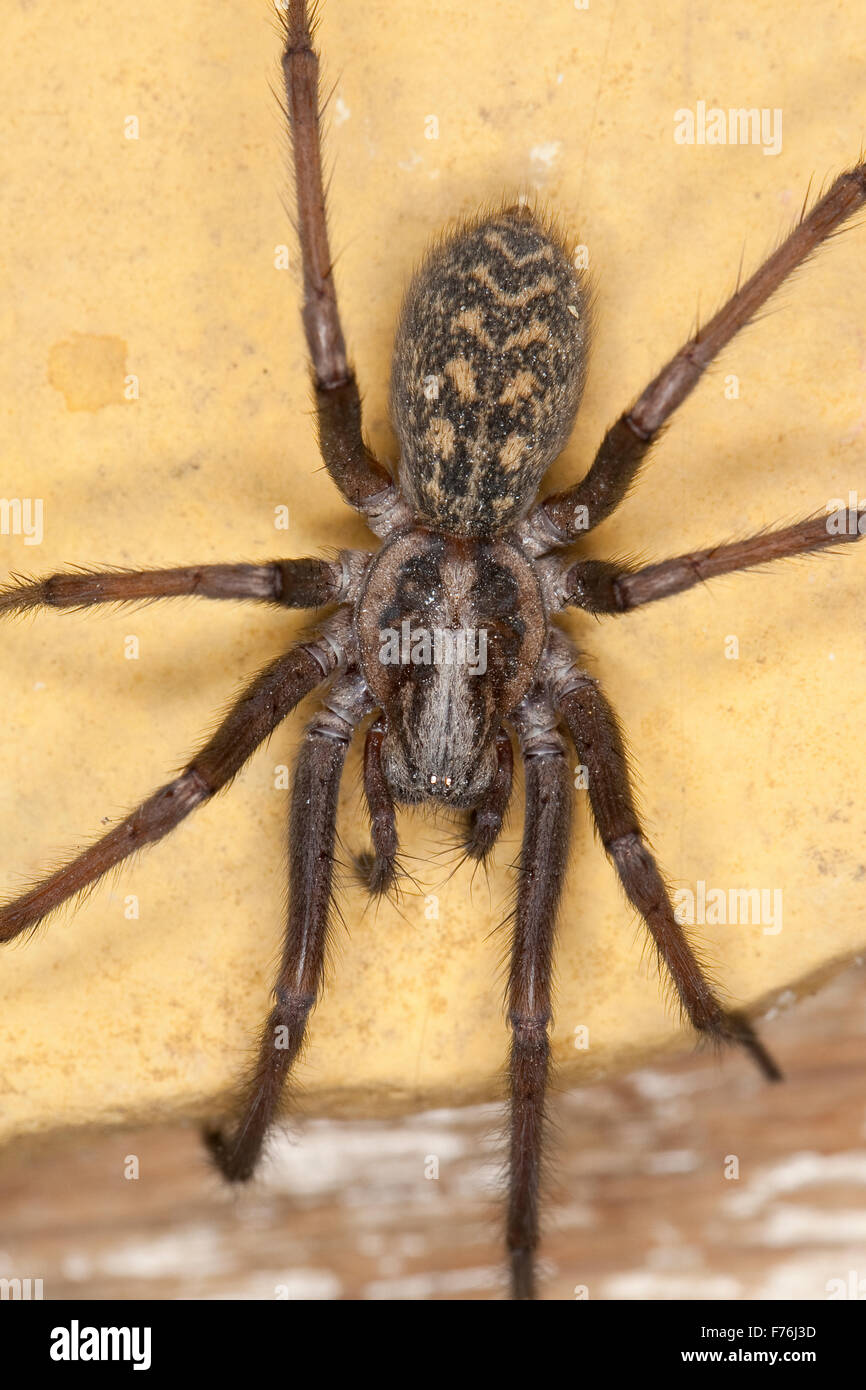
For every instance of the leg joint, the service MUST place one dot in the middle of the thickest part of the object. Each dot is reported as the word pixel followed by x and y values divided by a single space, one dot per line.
pixel 292 1007
pixel 191 788
pixel 623 843
pixel 532 1025
pixel 639 431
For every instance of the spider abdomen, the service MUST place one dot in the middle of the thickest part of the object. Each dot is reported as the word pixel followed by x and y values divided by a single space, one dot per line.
pixel 488 371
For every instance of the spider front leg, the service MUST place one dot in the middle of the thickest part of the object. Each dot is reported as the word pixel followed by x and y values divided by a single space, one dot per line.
pixel 543 859
pixel 595 731
pixel 309 583
pixel 361 478
pixel 312 833
pixel 600 586
pixel 565 516
pixel 263 705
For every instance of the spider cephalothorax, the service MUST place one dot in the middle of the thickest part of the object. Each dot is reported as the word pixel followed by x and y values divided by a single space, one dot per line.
pixel 450 632
pixel 445 636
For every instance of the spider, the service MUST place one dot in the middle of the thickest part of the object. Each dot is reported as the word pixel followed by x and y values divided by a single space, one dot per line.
pixel 445 637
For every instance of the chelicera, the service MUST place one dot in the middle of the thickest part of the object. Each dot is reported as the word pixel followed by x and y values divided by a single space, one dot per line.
pixel 446 638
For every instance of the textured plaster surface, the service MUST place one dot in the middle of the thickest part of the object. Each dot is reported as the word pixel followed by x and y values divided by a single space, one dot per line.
pixel 154 258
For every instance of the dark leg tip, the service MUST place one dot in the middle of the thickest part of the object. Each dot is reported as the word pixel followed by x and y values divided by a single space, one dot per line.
pixel 743 1033
pixel 229 1163
pixel 522 1275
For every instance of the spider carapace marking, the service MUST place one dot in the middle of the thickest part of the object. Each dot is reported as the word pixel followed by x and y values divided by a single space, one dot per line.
pixel 487 376
pixel 443 716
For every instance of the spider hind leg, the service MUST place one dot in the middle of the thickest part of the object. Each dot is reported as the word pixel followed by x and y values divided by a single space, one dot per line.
pixel 312 839
pixel 596 734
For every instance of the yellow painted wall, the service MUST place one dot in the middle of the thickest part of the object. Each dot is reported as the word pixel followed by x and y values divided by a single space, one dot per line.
pixel 155 257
